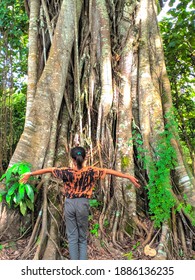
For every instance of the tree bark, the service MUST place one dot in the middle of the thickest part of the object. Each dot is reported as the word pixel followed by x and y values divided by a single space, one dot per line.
pixel 33 143
pixel 110 87
pixel 33 54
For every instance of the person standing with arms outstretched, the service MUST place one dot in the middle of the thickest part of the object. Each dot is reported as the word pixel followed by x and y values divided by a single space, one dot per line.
pixel 79 182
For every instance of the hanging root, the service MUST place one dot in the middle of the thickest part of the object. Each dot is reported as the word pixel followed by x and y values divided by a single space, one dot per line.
pixel 149 235
pixel 33 236
pixel 43 233
pixel 182 236
pixel 140 224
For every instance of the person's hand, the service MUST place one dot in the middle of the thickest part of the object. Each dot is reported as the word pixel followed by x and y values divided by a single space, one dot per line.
pixel 134 181
pixel 24 178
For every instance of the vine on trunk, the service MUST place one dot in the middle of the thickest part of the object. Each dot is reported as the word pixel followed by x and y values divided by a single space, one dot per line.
pixel 123 56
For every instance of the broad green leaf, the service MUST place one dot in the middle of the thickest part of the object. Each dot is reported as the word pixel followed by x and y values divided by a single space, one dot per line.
pixel 21 191
pixel 29 191
pixel 14 168
pixel 16 198
pixel 13 188
pixel 23 168
pixel 23 208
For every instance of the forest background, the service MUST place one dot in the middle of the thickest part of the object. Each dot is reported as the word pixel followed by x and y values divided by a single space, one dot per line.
pixel 177 30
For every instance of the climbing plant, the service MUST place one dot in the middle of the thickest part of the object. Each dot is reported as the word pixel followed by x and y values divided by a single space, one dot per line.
pixel 177 30
pixel 159 165
pixel 96 67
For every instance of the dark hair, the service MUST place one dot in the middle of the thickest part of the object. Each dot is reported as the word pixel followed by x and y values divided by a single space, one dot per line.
pixel 78 154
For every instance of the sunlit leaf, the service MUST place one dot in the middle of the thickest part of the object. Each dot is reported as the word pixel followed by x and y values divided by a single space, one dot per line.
pixel 23 208
pixel 13 188
pixel 21 191
pixel 23 168
pixel 30 192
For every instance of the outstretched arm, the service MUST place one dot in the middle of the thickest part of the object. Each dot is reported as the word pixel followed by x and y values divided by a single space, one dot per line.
pixel 27 175
pixel 122 175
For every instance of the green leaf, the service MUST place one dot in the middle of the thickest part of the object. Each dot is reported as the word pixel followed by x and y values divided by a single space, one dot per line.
pixel 16 198
pixel 171 3
pixel 21 191
pixel 30 192
pixel 8 175
pixel 2 177
pixel 29 204
pixel 13 188
pixel 94 203
pixel 3 192
pixel 140 142
pixel 8 199
pixel 23 168
pixel 23 208
pixel 14 168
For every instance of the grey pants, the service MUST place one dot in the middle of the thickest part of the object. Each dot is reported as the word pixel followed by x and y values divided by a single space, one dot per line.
pixel 76 217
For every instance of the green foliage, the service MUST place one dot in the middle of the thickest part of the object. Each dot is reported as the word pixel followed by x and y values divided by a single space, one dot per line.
pixel 159 167
pixel 14 34
pixel 125 161
pixel 13 72
pixel 129 255
pixel 14 22
pixel 18 103
pixel 160 198
pixel 17 194
pixel 187 208
pixel 95 229
pixel 136 245
pixel 90 218
pixel 94 203
pixel 177 31
pixel 106 223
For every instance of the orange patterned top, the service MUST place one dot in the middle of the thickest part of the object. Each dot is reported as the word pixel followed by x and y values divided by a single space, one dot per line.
pixel 79 183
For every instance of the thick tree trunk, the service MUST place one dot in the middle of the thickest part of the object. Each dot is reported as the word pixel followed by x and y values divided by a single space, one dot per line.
pixel 109 88
pixel 49 93
pixel 33 54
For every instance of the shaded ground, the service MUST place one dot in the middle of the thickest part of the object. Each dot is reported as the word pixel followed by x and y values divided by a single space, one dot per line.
pixel 97 249
pixel 131 251
pixel 13 250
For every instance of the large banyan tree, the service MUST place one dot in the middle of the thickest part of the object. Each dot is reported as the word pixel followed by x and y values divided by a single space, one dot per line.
pixel 97 78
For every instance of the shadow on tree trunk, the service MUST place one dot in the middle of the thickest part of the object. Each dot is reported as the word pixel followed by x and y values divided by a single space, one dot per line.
pixel 116 80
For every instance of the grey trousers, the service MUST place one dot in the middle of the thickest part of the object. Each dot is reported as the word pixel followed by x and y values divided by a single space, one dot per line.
pixel 76 216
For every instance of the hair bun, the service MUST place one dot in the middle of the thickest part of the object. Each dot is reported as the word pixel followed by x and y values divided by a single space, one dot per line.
pixel 78 153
